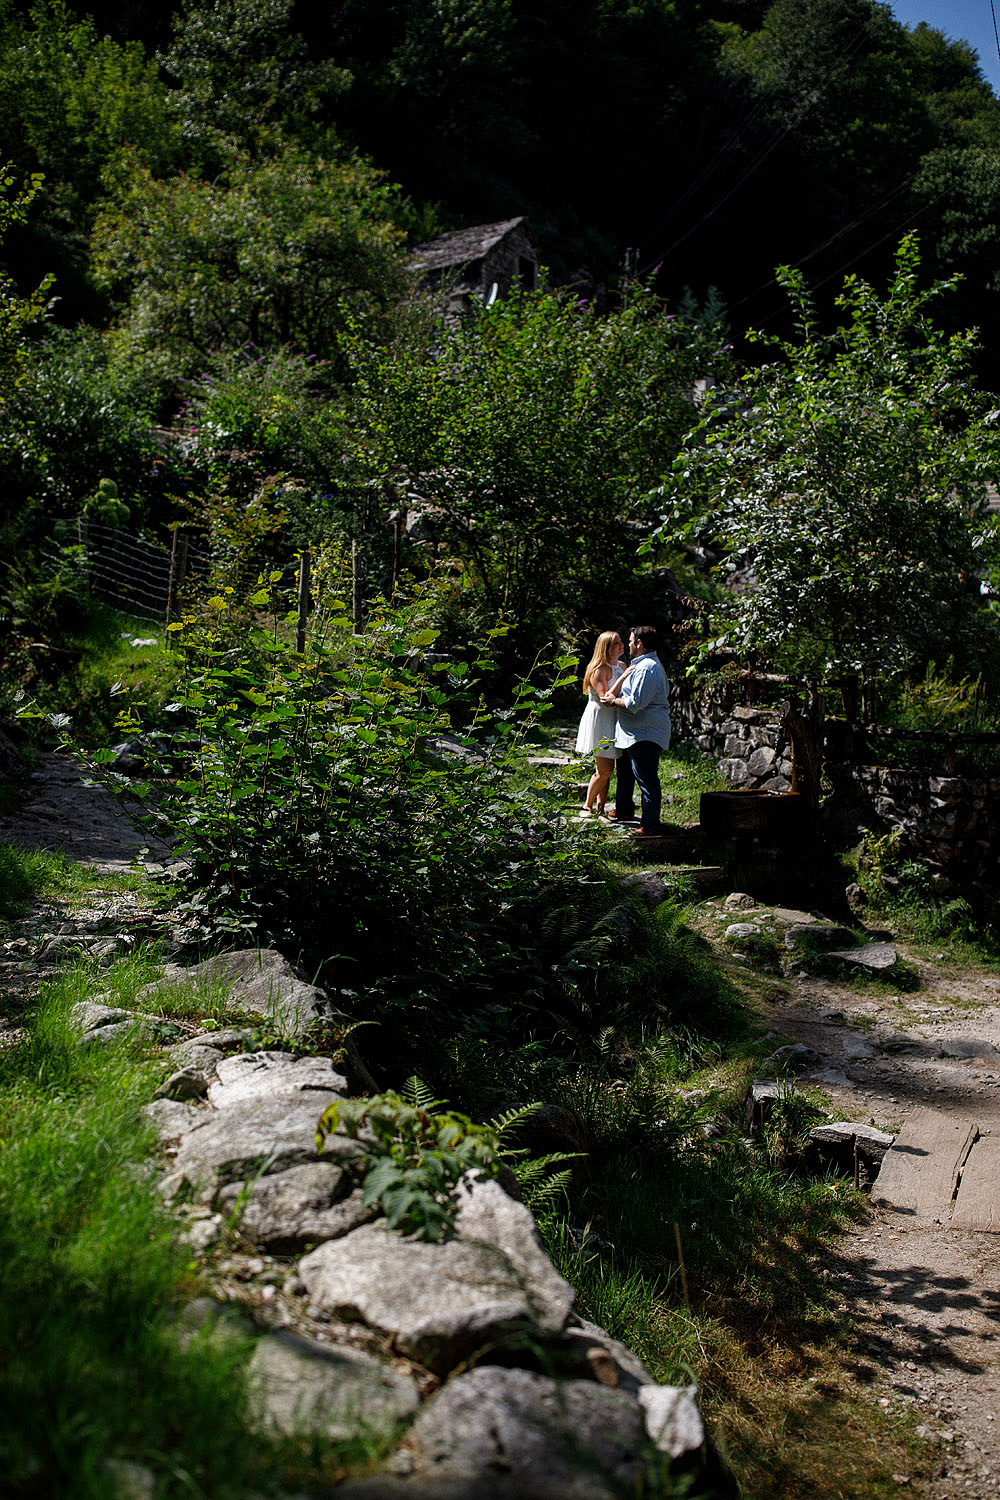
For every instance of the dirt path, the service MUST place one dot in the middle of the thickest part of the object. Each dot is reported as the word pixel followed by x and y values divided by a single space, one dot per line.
pixel 924 1297
pixel 62 813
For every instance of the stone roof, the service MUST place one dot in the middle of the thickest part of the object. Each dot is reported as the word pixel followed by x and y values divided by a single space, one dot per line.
pixel 462 246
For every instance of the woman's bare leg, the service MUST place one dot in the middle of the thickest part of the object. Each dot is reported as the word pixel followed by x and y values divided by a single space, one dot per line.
pixel 597 792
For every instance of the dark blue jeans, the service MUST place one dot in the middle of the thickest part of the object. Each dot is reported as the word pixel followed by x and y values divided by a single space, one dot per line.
pixel 640 763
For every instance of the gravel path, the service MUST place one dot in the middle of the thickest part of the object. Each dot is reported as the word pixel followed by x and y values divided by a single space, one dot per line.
pixel 924 1299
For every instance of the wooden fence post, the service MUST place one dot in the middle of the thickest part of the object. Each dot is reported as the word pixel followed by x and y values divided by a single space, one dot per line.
pixel 178 568
pixel 300 632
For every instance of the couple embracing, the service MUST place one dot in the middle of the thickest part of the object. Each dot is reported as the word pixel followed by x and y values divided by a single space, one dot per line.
pixel 627 719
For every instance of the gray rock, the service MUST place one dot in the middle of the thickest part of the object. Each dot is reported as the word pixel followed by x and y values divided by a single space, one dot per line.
pixel 173 1117
pixel 897 1041
pixel 102 1025
pixel 195 1054
pixel 202 1234
pixel 571 1438
pixel 187 1083
pixel 593 1354
pixel 834 1140
pixel 967 1046
pixel 833 1076
pixel 856 1046
pixel 735 771
pixel 673 1420
pixel 225 1039
pixel 739 901
pixel 219 1324
pixel 794 1053
pixel 742 929
pixel 489 1216
pixel 262 1075
pixel 257 1136
pixel 648 885
pixel 443 1302
pixel 761 762
pixel 287 1212
pixel 868 956
pixel 260 980
pixel 298 1387
pixel 761 1099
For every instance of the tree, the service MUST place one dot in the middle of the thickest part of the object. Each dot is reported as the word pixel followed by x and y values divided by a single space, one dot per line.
pixel 71 99
pixel 851 473
pixel 243 81
pixel 288 252
pixel 17 313
pixel 528 439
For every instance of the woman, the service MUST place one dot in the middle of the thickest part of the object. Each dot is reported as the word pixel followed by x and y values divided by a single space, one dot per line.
pixel 596 735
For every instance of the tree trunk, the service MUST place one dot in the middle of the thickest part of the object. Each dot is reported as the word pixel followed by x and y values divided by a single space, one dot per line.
pixel 804 722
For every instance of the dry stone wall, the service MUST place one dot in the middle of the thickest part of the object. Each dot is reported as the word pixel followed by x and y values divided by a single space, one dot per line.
pixel 749 744
pixel 463 1362
pixel 952 822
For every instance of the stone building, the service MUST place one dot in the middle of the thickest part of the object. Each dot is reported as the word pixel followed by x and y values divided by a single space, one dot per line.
pixel 481 263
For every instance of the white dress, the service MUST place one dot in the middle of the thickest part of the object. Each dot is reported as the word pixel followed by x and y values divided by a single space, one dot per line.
pixel 596 734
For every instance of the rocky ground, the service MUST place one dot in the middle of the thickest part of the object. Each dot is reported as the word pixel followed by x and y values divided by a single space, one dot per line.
pixel 924 1298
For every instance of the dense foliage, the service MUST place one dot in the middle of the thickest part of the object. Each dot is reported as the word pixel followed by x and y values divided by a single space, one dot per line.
pixel 522 446
pixel 851 476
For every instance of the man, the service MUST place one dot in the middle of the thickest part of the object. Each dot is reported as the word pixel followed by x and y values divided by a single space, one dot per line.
pixel 642 732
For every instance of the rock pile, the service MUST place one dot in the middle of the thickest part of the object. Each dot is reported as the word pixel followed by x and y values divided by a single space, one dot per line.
pixel 463 1360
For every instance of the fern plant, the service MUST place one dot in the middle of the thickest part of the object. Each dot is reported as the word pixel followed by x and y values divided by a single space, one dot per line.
pixel 418 1151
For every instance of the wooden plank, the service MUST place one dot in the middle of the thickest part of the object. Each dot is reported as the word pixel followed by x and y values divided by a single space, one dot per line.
pixel 920 1171
pixel 978 1203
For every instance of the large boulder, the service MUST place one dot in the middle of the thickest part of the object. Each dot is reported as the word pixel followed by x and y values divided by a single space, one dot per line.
pixel 441 1303
pixel 302 1388
pixel 260 980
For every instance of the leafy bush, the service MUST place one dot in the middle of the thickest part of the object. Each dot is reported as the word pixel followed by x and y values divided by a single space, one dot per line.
pixel 324 802
pixel 265 407
pixel 418 1153
pixel 74 421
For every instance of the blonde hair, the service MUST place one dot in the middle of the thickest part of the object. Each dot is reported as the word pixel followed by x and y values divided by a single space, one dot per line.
pixel 601 656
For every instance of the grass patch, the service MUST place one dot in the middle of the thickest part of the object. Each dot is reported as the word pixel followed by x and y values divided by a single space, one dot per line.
pixel 31 875
pixel 109 674
pixel 91 1280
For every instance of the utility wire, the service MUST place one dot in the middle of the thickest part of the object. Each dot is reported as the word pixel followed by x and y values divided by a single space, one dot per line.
pixel 846 53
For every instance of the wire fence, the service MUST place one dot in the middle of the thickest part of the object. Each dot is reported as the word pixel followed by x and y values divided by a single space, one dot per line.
pixel 137 576
pixel 150 581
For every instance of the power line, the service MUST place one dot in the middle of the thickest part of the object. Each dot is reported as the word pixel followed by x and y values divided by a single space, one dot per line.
pixel 845 54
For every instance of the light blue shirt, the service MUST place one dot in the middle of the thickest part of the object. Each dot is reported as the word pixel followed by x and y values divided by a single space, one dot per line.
pixel 645 711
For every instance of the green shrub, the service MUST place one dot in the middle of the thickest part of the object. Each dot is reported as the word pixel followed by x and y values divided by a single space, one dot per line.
pixel 73 422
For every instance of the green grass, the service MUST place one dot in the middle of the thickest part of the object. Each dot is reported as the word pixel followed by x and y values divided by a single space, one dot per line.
pixel 30 875
pixel 91 1279
pixel 110 675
